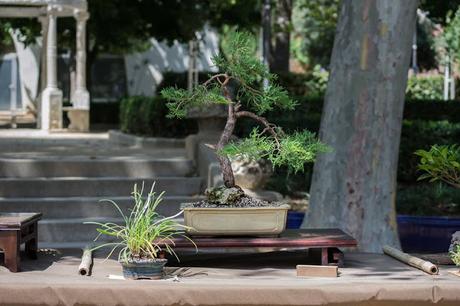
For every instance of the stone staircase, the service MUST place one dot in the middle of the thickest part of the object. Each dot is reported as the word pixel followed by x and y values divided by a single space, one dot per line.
pixel 66 177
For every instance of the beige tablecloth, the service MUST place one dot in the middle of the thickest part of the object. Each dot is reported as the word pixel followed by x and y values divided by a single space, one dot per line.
pixel 248 279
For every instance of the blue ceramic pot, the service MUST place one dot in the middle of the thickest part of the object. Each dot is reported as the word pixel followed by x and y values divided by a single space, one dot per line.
pixel 426 234
pixel 144 268
pixel 294 219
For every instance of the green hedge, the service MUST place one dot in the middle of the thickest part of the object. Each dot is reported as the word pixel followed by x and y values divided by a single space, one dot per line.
pixel 425 87
pixel 420 134
pixel 432 110
pixel 428 200
pixel 147 116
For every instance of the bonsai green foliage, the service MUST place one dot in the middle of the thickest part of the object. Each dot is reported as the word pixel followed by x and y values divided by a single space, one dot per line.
pixel 293 150
pixel 241 66
pixel 455 255
pixel 239 86
pixel 201 96
pixel 144 233
pixel 441 163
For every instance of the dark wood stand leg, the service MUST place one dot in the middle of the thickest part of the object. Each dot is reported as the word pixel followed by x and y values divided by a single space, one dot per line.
pixel 9 242
pixel 31 245
pixel 331 257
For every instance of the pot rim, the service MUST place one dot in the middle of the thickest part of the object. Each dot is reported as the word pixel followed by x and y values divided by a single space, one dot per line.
pixel 281 207
pixel 143 261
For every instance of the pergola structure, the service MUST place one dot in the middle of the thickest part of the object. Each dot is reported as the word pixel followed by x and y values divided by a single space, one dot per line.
pixel 47 12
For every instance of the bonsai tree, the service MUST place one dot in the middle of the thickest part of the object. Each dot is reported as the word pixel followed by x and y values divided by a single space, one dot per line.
pixel 239 86
pixel 440 163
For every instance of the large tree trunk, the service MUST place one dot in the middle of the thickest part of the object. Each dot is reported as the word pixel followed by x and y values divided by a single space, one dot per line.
pixel 281 48
pixel 354 187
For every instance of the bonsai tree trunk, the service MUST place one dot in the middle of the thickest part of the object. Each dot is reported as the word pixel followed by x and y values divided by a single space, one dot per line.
pixel 225 164
pixel 354 186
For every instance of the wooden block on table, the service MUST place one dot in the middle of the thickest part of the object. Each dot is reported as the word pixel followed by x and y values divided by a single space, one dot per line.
pixel 317 271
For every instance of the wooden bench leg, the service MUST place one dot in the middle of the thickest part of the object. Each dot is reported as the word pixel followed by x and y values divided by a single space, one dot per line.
pixel 10 245
pixel 331 257
pixel 337 257
pixel 31 245
pixel 324 256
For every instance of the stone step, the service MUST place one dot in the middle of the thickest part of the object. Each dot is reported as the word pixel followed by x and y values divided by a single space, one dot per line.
pixel 94 187
pixel 33 139
pixel 95 167
pixel 74 230
pixel 87 207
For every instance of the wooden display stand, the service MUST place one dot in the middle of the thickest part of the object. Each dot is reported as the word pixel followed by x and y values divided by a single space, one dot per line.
pixel 16 229
pixel 326 241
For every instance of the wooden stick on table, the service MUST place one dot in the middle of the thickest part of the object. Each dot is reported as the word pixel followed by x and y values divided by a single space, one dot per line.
pixel 86 262
pixel 416 262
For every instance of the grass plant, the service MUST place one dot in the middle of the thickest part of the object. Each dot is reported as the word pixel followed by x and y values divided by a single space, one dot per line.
pixel 145 234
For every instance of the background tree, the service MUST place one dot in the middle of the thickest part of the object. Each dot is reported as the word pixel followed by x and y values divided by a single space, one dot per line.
pixel 439 10
pixel 123 26
pixel 354 187
pixel 282 30
pixel 314 25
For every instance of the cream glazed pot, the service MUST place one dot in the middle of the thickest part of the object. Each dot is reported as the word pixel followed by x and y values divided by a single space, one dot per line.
pixel 238 221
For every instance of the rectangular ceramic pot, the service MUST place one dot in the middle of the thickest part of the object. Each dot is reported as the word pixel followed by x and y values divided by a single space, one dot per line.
pixel 247 221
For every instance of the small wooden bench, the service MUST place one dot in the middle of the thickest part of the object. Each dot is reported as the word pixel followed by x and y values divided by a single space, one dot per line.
pixel 16 229
pixel 326 241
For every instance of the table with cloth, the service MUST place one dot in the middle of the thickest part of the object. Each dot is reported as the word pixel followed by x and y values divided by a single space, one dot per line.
pixel 228 279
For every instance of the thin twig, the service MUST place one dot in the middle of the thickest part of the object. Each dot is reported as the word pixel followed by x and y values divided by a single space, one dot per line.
pixel 217 76
pixel 268 125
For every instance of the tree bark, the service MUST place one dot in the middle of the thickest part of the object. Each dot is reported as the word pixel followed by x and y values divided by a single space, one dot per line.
pixel 224 161
pixel 354 187
pixel 279 61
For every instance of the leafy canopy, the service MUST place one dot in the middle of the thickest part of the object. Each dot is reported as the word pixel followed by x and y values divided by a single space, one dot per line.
pixel 120 26
pixel 183 100
pixel 440 163
pixel 245 73
pixel 292 150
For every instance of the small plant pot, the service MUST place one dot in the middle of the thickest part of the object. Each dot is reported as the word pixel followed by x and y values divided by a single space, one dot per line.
pixel 144 268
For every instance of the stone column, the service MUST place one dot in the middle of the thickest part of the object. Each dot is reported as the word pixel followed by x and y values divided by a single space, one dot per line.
pixel 79 114
pixel 51 106
pixel 44 32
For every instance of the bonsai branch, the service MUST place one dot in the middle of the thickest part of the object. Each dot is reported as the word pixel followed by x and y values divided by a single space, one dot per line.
pixel 269 127
pixel 217 78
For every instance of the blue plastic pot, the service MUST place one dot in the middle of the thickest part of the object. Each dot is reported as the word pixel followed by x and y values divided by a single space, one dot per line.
pixel 294 219
pixel 426 234
pixel 144 269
